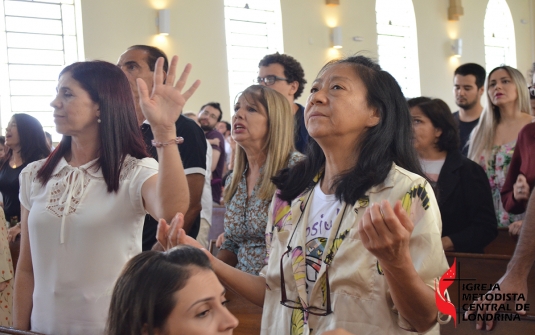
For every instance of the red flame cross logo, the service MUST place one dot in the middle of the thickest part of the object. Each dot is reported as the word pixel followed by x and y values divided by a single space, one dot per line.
pixel 443 304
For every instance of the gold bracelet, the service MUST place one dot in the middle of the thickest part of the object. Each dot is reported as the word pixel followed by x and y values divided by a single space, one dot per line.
pixel 178 140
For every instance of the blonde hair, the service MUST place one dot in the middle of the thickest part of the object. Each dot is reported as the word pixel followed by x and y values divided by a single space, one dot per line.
pixel 482 137
pixel 279 143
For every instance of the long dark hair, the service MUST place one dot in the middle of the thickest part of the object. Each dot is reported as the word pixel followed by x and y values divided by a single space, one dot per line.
pixel 440 116
pixel 119 134
pixel 32 139
pixel 143 295
pixel 386 143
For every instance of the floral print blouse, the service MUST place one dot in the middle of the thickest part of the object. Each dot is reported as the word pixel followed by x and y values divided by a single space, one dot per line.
pixel 245 225
pixel 496 167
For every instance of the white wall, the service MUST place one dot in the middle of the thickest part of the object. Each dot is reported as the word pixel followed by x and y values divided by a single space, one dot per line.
pixel 198 36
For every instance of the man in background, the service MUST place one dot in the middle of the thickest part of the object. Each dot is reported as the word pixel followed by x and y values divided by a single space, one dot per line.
pixel 226 130
pixel 139 61
pixel 209 115
pixel 284 74
pixel 468 87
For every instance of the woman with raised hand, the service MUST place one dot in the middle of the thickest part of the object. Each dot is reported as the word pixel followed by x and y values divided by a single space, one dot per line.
pixel 465 199
pixel 493 140
pixel 25 143
pixel 262 126
pixel 83 207
pixel 353 234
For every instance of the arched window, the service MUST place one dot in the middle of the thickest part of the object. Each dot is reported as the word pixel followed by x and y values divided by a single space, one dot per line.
pixel 253 29
pixel 397 43
pixel 37 39
pixel 500 45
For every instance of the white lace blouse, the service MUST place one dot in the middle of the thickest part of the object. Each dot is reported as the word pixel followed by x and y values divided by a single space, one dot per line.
pixel 81 236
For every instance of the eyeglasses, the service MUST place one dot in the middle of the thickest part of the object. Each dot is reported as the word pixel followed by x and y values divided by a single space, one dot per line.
pixel 269 80
pixel 296 304
pixel 328 260
pixel 210 115
pixel 532 91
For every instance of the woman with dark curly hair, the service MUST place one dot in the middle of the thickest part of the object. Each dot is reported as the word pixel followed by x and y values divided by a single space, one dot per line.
pixel 464 196
pixel 25 143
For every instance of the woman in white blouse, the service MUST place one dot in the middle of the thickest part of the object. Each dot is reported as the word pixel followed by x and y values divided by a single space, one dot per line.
pixel 83 207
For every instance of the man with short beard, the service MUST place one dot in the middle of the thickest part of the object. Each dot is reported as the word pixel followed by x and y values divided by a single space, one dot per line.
pixel 208 117
pixel 468 87
pixel 139 61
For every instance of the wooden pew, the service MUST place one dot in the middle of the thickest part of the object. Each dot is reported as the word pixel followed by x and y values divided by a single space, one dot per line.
pixel 249 315
pixel 503 244
pixel 13 331
pixel 486 269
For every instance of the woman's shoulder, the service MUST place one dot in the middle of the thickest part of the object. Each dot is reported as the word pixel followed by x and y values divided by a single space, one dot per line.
pixel 30 171
pixel 398 173
pixel 528 130
pixel 131 163
pixel 472 169
pixel 33 167
pixel 401 181
pixel 295 157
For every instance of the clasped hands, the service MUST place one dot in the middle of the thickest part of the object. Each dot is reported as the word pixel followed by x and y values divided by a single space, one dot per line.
pixel 521 189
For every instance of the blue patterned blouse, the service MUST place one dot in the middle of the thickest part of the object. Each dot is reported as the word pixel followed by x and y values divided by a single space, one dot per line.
pixel 245 225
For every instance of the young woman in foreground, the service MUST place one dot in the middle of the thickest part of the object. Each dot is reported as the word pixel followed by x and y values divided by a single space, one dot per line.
pixel 173 293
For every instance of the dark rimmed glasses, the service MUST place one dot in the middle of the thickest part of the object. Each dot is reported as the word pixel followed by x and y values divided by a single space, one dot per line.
pixel 532 91
pixel 269 80
pixel 296 304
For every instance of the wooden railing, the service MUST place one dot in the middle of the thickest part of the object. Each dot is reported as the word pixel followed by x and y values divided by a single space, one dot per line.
pixel 13 331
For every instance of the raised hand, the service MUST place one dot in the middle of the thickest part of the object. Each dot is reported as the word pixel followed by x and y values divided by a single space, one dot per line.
pixel 385 232
pixel 164 104
pixel 171 235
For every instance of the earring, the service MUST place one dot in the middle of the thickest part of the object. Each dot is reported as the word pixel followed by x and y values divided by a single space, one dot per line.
pixel 99 120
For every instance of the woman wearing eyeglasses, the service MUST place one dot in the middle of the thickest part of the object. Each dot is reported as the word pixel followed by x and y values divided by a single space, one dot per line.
pixel 521 175
pixel 354 234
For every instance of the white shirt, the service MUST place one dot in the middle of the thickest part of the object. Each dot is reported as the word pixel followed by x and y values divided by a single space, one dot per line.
pixel 206 199
pixel 81 236
pixel 323 210
pixel 432 168
pixel 228 151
